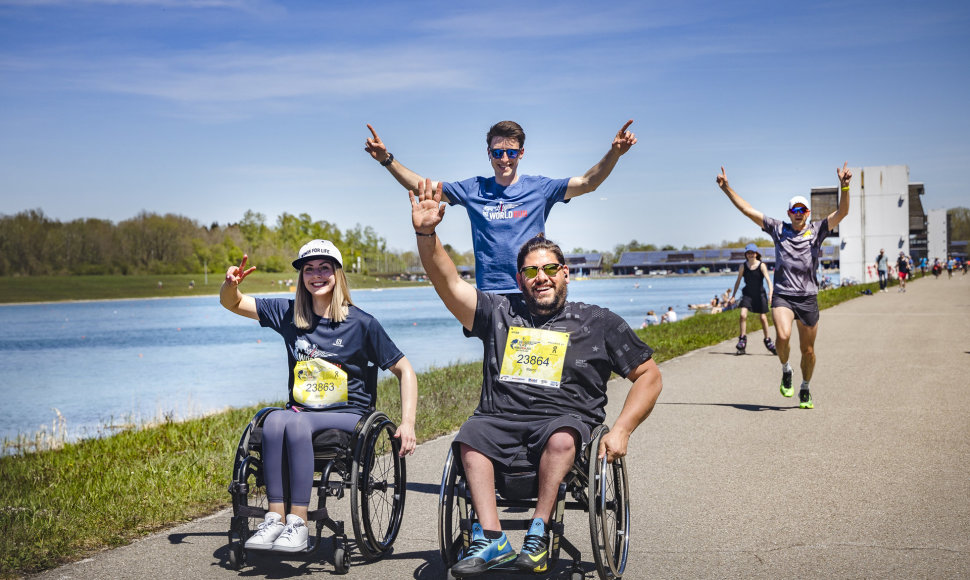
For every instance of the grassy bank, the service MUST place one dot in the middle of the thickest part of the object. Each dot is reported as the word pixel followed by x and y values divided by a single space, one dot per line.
pixel 62 505
pixel 15 289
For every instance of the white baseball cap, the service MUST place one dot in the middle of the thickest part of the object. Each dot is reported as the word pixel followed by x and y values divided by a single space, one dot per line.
pixel 316 250
pixel 798 199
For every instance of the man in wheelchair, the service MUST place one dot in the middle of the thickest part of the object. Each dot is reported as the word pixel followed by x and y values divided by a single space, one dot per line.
pixel 546 366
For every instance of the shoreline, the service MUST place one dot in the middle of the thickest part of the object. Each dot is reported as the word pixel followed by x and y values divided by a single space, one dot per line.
pixel 371 288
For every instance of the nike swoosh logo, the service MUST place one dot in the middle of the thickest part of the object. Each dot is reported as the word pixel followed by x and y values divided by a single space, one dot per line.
pixel 540 568
pixel 502 546
pixel 537 558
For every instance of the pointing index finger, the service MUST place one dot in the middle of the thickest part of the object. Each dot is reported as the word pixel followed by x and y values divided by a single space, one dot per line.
pixel 626 126
pixel 374 133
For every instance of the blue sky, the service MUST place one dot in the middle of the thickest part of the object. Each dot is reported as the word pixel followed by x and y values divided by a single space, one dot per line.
pixel 209 108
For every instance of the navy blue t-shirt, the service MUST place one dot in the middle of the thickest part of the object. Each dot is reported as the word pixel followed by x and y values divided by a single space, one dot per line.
pixel 349 345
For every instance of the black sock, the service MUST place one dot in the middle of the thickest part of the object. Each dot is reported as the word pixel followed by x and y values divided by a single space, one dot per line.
pixel 492 534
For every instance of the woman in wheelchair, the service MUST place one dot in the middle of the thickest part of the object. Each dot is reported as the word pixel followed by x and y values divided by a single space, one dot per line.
pixel 329 343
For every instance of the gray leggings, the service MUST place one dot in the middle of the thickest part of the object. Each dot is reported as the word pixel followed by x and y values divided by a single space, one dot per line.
pixel 294 431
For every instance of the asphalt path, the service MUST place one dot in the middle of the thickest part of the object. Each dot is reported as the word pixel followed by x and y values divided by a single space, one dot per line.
pixel 728 478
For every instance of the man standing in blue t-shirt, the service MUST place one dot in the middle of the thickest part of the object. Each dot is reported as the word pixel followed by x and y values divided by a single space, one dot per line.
pixel 507 209
pixel 798 245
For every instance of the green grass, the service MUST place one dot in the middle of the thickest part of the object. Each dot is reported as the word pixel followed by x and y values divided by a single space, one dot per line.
pixel 62 505
pixel 58 288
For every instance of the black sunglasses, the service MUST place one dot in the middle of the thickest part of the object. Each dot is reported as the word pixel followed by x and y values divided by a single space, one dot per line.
pixel 498 153
pixel 531 272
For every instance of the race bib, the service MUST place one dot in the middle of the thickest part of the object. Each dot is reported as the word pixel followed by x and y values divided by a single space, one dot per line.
pixel 318 384
pixel 534 357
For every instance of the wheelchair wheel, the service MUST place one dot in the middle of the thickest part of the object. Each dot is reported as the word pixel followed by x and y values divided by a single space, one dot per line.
pixel 236 557
pixel 609 513
pixel 249 501
pixel 378 487
pixel 341 561
pixel 450 543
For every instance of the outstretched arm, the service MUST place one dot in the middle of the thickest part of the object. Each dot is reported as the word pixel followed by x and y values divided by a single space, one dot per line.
pixel 598 173
pixel 640 401
pixel 426 213
pixel 378 150
pixel 739 202
pixel 404 372
pixel 230 296
pixel 845 175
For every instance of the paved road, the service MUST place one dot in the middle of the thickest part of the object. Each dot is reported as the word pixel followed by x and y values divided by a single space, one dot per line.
pixel 731 480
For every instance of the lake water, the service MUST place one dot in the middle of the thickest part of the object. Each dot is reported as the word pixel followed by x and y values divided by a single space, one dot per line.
pixel 109 362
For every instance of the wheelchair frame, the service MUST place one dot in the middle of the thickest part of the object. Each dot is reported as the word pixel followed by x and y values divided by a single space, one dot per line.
pixel 367 463
pixel 592 485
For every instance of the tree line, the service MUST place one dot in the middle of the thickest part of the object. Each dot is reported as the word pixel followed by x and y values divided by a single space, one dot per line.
pixel 31 244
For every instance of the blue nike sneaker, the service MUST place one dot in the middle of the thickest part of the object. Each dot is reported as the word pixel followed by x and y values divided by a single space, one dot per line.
pixel 483 554
pixel 534 555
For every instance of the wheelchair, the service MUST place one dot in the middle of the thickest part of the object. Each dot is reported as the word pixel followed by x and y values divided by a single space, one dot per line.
pixel 364 465
pixel 594 486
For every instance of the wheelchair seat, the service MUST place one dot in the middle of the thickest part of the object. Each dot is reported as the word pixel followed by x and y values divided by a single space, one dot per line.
pixel 594 486
pixel 365 465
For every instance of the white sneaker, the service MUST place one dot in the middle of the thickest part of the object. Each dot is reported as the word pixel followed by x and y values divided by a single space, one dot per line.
pixel 266 532
pixel 294 536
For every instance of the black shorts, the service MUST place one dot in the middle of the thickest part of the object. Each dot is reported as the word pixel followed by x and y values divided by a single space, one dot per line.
pixel 757 304
pixel 502 439
pixel 804 307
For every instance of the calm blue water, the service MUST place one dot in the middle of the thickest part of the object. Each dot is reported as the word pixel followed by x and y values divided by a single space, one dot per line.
pixel 108 362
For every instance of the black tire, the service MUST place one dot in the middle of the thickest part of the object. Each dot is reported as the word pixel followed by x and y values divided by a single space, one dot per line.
pixel 236 556
pixel 609 513
pixel 341 563
pixel 450 543
pixel 378 487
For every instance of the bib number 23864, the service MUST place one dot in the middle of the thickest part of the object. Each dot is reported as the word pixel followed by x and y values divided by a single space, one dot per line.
pixel 534 356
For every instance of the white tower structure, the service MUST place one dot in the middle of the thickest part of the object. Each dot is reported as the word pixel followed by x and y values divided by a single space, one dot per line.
pixel 937 237
pixel 878 219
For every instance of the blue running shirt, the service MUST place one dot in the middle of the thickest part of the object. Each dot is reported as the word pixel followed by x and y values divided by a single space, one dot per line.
pixel 502 219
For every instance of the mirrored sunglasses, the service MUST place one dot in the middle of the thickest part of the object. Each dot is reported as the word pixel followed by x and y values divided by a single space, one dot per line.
pixel 799 210
pixel 498 153
pixel 531 272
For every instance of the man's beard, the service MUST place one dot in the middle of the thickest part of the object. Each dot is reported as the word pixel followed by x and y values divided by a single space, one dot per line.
pixel 548 308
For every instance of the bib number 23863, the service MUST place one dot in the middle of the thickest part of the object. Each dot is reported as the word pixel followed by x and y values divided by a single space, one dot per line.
pixel 318 384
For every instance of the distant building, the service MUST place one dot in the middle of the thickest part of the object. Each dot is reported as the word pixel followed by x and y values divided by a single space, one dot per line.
pixel 698 261
pixel 938 241
pixel 885 212
pixel 584 264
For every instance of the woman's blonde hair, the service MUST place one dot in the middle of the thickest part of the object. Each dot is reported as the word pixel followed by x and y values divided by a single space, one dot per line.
pixel 340 301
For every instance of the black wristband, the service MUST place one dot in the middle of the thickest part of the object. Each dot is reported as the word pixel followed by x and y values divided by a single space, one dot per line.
pixel 431 235
pixel 390 158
